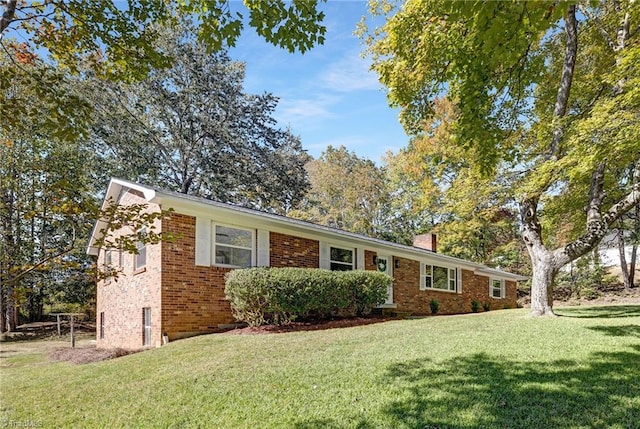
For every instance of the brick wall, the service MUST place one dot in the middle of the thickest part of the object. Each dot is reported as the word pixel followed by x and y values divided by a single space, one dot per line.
pixel 192 296
pixel 122 301
pixel 186 299
pixel 408 296
pixel 368 261
pixel 289 251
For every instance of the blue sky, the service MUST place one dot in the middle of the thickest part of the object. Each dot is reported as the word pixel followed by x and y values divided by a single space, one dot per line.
pixel 328 96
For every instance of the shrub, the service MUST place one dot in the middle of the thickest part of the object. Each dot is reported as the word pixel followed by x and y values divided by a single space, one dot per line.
pixel 589 293
pixel 434 306
pixel 486 306
pixel 475 306
pixel 279 295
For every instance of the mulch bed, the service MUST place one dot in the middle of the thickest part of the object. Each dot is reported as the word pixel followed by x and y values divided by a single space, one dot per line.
pixel 308 325
pixel 84 355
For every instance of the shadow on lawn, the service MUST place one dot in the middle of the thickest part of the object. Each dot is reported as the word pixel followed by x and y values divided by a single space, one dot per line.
pixel 600 312
pixel 618 331
pixel 483 391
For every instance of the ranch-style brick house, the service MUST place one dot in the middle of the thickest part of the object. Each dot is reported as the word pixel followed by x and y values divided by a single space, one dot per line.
pixel 172 290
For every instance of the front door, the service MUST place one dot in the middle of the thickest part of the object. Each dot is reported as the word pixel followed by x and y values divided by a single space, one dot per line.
pixel 384 266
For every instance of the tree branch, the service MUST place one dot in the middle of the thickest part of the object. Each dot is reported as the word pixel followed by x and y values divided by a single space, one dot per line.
pixel 562 100
pixel 597 224
pixel 612 44
pixel 8 15
pixel 14 280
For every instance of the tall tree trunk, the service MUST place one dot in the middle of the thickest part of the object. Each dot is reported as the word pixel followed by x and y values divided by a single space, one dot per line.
pixel 542 260
pixel 3 312
pixel 544 273
pixel 632 266
pixel 624 268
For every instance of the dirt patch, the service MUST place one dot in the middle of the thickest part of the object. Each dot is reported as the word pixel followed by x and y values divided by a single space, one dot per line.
pixel 607 296
pixel 604 295
pixel 87 355
pixel 309 325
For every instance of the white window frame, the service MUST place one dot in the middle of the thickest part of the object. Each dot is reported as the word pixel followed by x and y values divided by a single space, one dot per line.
pixel 214 245
pixel 492 288
pixel 350 249
pixel 108 261
pixel 450 271
pixel 139 246
pixel 102 325
pixel 146 326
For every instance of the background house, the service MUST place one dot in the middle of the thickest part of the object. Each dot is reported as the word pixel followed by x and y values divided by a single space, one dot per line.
pixel 176 289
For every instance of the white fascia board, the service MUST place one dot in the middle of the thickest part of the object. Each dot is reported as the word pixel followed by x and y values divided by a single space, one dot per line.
pixel 114 189
pixel 502 275
pixel 249 218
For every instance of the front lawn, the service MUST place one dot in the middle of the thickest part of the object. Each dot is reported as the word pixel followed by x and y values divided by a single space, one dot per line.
pixel 500 369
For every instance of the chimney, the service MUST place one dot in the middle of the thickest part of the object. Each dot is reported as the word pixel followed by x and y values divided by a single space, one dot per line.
pixel 426 241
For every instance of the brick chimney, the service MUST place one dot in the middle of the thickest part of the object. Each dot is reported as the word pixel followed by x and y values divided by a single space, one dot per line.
pixel 426 241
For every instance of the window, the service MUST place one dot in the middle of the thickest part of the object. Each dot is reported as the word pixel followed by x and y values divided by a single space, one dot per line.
pixel 497 288
pixel 108 265
pixel 112 263
pixel 340 259
pixel 435 277
pixel 233 246
pixel 146 324
pixel 141 257
pixel 102 325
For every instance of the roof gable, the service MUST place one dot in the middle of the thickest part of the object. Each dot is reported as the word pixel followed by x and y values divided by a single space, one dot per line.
pixel 194 206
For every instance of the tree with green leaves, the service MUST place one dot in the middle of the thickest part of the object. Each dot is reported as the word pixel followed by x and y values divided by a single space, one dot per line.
pixel 469 212
pixel 119 39
pixel 548 99
pixel 628 240
pixel 410 208
pixel 191 128
pixel 47 196
pixel 347 192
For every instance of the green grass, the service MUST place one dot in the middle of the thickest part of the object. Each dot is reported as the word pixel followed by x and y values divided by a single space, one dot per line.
pixel 500 369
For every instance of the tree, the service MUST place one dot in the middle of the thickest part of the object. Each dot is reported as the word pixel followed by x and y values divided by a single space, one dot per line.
pixel 347 192
pixel 627 236
pixel 44 207
pixel 119 40
pixel 469 211
pixel 554 114
pixel 191 128
pixel 409 210
pixel 47 196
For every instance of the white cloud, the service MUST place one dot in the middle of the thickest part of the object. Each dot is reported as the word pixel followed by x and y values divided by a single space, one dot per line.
pixel 306 111
pixel 350 73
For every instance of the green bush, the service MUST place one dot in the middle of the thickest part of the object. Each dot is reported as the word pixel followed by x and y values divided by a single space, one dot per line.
pixel 434 306
pixel 486 306
pixel 279 295
pixel 475 306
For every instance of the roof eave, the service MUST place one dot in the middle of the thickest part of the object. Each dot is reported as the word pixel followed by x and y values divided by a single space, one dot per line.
pixel 112 195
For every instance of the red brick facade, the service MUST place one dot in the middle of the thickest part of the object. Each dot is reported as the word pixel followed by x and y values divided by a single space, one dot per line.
pixel 193 298
pixel 122 300
pixel 289 251
pixel 369 264
pixel 186 299
pixel 409 298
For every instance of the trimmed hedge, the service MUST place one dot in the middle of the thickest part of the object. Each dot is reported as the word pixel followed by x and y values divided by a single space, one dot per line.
pixel 278 295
